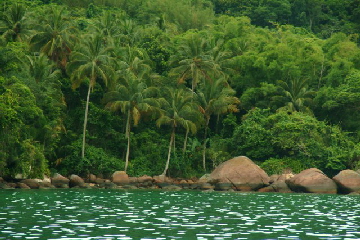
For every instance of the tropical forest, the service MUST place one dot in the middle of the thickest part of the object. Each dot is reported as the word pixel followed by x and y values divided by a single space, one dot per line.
pixel 165 87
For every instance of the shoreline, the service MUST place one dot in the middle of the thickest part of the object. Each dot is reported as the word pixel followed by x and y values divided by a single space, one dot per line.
pixel 147 183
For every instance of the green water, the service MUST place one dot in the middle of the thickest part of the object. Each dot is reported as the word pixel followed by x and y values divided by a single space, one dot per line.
pixel 117 214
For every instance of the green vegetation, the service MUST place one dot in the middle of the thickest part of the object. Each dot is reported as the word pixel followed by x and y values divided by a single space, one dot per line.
pixel 177 87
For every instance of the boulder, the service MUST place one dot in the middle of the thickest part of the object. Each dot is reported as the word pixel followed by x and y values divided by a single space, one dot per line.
pixel 133 180
pixel 3 185
pixel 22 185
pixel 278 183
pixel 278 186
pixel 45 185
pixel 92 178
pixel 281 186
pixel 172 188
pixel 223 186
pixel 60 181
pixel 32 183
pixel 242 173
pixel 120 178
pixel 12 185
pixel 267 189
pixel 76 181
pixel 161 179
pixel 109 185
pixel 99 180
pixel 284 177
pixel 205 178
pixel 348 181
pixel 206 186
pixel 46 179
pixel 354 193
pixel 311 180
pixel 144 179
pixel 129 186
pixel 194 186
pixel 273 178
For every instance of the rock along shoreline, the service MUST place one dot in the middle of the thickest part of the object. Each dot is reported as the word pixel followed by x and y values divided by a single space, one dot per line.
pixel 237 174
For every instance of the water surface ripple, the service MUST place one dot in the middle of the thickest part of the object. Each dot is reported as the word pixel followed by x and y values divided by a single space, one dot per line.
pixel 116 214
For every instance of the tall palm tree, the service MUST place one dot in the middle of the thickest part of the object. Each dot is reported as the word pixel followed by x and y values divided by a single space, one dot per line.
pixel 91 61
pixel 132 97
pixel 215 99
pixel 133 93
pixel 54 36
pixel 194 60
pixel 178 110
pixel 12 22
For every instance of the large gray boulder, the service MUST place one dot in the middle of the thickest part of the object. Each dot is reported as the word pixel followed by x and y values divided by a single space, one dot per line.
pixel 311 180
pixel 242 173
pixel 348 181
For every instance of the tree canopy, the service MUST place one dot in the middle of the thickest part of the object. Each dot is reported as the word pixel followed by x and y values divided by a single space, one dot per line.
pixel 177 87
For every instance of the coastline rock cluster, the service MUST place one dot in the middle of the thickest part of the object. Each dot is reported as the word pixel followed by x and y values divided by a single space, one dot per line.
pixel 237 174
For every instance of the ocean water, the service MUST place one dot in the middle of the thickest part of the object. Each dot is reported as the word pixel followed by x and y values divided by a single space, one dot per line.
pixel 151 214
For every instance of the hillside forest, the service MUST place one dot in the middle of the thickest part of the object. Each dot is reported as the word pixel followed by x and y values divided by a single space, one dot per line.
pixel 165 87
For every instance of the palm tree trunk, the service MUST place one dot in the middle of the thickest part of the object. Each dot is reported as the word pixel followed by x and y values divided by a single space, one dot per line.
pixel 85 121
pixel 185 141
pixel 169 153
pixel 217 124
pixel 204 144
pixel 127 134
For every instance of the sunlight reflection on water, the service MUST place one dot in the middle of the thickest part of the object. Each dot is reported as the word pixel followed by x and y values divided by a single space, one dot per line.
pixel 115 214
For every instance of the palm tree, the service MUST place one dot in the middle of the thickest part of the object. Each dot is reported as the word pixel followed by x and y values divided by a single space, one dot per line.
pixel 297 95
pixel 41 68
pixel 194 60
pixel 215 99
pixel 107 25
pixel 44 81
pixel 54 36
pixel 129 32
pixel 134 61
pixel 132 97
pixel 178 110
pixel 12 22
pixel 91 61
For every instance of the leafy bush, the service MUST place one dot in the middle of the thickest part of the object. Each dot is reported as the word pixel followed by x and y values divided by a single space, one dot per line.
pixel 96 161
pixel 278 166
pixel 149 155
pixel 295 136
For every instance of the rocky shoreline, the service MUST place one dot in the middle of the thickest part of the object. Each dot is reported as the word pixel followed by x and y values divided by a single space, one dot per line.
pixel 237 174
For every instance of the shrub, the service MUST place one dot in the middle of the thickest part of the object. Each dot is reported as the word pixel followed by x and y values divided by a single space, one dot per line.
pixel 96 161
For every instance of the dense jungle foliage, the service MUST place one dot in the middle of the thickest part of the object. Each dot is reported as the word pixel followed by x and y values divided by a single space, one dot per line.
pixel 177 87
